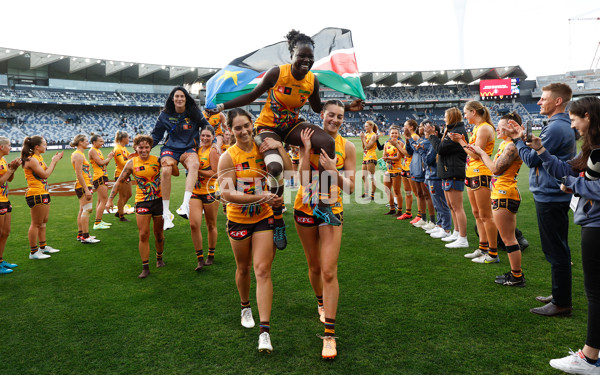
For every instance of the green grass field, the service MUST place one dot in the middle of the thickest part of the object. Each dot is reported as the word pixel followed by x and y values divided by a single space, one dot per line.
pixel 407 304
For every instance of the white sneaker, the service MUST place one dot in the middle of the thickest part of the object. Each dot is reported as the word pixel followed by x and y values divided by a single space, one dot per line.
pixel 247 319
pixel 441 234
pixel 38 255
pixel 90 240
pixel 264 343
pixel 419 223
pixel 486 259
pixel 475 254
pixel 428 226
pixel 183 211
pixel 459 243
pixel 49 250
pixel 321 311
pixel 451 238
pixel 433 230
pixel 575 363
pixel 168 221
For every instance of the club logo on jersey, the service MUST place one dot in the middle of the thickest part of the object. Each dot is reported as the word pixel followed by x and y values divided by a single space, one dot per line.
pixel 242 167
pixel 142 210
pixel 285 90
pixel 238 233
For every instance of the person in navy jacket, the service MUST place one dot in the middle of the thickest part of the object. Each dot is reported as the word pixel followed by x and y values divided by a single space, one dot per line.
pixel 551 203
pixel 580 177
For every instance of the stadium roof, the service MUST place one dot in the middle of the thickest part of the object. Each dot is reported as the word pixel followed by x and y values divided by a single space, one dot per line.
pixel 47 65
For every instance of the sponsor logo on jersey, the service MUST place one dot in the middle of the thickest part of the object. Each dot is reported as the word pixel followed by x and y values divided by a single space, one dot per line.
pixel 238 233
pixel 305 220
pixel 140 168
pixel 285 90
pixel 166 153
pixel 141 210
pixel 3 211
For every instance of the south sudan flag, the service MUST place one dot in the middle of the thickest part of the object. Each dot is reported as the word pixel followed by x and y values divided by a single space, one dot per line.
pixel 335 67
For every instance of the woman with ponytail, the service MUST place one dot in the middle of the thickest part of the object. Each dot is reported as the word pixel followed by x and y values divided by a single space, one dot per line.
pixel 121 156
pixel 100 178
pixel 37 195
pixel 7 173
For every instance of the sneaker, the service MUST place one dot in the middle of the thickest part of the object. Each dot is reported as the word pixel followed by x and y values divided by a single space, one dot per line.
pixel 415 220
pixel 486 259
pixel 90 239
pixel 38 255
pixel 442 234
pixel 329 347
pixel 321 311
pixel 5 270
pixel 433 230
pixel 325 214
pixel 105 223
pixel 5 264
pixel 575 363
pixel 49 250
pixel 247 319
pixel 475 254
pixel 509 280
pixel 279 237
pixel 459 243
pixel 101 226
pixel 428 226
pixel 404 216
pixel 451 238
pixel 419 224
pixel 183 211
pixel 264 343
pixel 168 221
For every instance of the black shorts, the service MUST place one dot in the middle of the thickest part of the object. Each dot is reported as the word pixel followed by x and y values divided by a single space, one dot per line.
pixel 305 220
pixel 369 162
pixel 34 200
pixel 101 181
pixel 79 192
pixel 206 198
pixel 476 182
pixel 153 207
pixel 240 232
pixel 175 154
pixel 393 175
pixel 5 208
pixel 510 204
pixel 405 174
pixel 295 161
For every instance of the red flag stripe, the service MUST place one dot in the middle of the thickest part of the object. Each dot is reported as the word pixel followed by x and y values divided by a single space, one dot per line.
pixel 339 62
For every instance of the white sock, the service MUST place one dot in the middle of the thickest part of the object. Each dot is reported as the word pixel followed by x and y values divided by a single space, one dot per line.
pixel 166 206
pixel 186 198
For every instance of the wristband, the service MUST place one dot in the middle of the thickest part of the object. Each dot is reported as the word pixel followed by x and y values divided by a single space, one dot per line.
pixel 537 149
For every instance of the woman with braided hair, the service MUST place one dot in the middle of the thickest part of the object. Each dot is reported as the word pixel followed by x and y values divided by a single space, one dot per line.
pixel 289 87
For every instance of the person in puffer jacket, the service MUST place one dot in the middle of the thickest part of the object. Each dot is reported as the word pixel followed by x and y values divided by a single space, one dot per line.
pixel 581 177
pixel 452 160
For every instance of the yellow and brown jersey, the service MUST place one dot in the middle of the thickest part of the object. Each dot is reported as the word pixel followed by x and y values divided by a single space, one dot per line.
pixel 205 185
pixel 4 186
pixel 285 99
pixel 251 178
pixel 98 170
pixel 147 178
pixel 224 148
pixel 370 153
pixel 504 186
pixel 475 167
pixel 85 169
pixel 390 150
pixel 294 153
pixel 121 157
pixel 216 122
pixel 405 163
pixel 35 184
pixel 307 198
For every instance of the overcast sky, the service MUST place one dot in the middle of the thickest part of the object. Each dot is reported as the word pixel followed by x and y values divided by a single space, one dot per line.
pixel 388 35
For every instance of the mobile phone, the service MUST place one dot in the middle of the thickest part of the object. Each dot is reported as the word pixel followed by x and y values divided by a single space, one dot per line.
pixel 528 131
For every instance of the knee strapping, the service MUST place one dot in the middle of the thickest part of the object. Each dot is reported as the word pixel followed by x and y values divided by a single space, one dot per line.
pixel 274 164
pixel 86 210
pixel 512 248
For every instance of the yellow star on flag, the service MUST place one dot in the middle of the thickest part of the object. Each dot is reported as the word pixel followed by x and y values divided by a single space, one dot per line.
pixel 229 74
